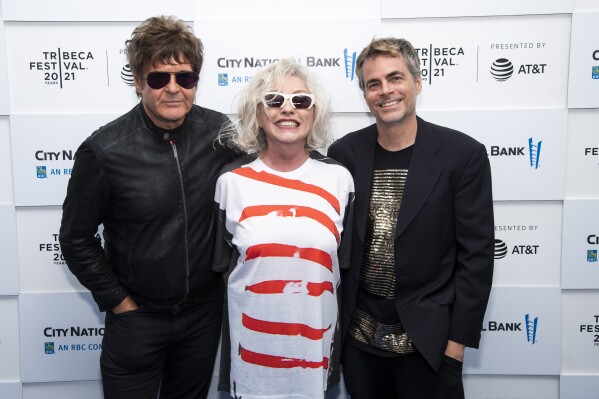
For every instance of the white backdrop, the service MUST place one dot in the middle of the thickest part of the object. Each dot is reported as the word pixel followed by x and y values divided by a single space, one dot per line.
pixel 63 74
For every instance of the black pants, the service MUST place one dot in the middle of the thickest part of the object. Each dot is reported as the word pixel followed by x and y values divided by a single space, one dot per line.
pixel 145 352
pixel 369 376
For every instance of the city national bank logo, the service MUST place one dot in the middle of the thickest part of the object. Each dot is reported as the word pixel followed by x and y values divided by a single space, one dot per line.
pixel 73 333
pixel 534 152
pixel 42 171
pixel 49 348
pixel 223 79
pixel 531 328
pixel 59 67
pixel 350 64
pixel 592 239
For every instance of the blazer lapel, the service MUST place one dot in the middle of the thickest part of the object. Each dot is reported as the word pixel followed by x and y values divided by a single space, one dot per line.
pixel 424 171
pixel 364 161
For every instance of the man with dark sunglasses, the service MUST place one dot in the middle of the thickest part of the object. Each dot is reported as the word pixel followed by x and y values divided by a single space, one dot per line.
pixel 149 178
pixel 422 255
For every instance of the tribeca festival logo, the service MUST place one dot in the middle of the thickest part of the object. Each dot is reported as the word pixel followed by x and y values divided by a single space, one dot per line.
pixel 53 247
pixel 49 156
pixel 592 239
pixel 59 67
pixel 350 64
pixel 437 62
pixel 592 328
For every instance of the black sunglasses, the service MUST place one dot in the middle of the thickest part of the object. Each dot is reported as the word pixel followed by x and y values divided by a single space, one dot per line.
pixel 185 79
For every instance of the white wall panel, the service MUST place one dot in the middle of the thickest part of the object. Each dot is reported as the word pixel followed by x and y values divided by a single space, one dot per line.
pixel 94 10
pixel 42 266
pixel 344 123
pixel 69 67
pixel 582 169
pixel 525 147
pixel 525 321
pixel 61 337
pixel 9 339
pixel 586 5
pixel 43 148
pixel 441 8
pixel 579 386
pixel 583 83
pixel 63 390
pixel 9 264
pixel 6 186
pixel 580 332
pixel 527 243
pixel 4 103
pixel 511 387
pixel 229 66
pixel 231 10
pixel 580 245
pixel 11 390
pixel 457 55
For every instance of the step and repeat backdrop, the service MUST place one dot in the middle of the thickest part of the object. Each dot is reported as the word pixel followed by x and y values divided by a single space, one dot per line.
pixel 63 74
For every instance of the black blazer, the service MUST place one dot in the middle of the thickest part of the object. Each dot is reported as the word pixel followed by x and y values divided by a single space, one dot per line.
pixel 444 239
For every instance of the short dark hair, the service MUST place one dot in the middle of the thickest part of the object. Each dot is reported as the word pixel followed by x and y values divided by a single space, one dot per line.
pixel 389 47
pixel 166 40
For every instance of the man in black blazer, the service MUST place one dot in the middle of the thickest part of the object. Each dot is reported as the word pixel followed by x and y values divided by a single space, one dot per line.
pixel 422 261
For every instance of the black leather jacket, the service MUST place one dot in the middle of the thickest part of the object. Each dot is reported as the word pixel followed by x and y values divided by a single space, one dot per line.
pixel 153 191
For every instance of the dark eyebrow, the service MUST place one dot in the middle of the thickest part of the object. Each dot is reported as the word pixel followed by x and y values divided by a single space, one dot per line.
pixel 388 76
pixel 395 73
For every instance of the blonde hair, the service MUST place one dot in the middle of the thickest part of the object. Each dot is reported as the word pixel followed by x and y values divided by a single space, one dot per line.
pixel 245 133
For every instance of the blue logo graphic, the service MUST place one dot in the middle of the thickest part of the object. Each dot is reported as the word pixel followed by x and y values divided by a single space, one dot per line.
pixel 49 348
pixel 531 329
pixel 534 153
pixel 592 255
pixel 223 79
pixel 349 61
pixel 41 172
pixel 595 73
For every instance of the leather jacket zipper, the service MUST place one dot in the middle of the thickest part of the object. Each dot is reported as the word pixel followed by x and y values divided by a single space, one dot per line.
pixel 185 222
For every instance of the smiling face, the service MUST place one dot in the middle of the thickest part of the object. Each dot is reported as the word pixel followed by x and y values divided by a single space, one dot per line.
pixel 286 127
pixel 390 90
pixel 167 106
